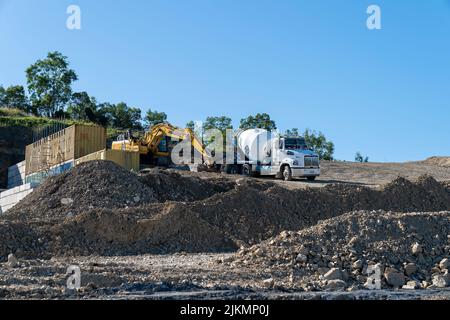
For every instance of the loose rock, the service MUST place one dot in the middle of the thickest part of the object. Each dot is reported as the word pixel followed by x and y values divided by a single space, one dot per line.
pixel 394 278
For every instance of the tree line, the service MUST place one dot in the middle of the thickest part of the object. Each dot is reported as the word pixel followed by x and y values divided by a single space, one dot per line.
pixel 50 94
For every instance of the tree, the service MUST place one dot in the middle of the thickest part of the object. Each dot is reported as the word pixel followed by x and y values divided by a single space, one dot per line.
pixel 3 99
pixel 260 121
pixel 319 144
pixel 152 118
pixel 196 128
pixel 50 84
pixel 14 97
pixel 124 117
pixel 292 133
pixel 82 107
pixel 190 125
pixel 103 115
pixel 221 123
pixel 359 158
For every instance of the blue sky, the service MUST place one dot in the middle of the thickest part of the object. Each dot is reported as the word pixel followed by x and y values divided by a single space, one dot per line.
pixel 308 64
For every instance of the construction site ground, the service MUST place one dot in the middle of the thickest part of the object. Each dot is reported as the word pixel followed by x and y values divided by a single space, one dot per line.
pixel 171 234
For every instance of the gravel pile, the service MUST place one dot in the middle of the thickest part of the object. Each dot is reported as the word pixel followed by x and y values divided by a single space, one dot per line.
pixel 409 250
pixel 439 161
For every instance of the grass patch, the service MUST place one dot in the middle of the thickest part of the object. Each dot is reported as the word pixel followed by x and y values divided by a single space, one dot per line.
pixel 12 112
pixel 17 118
pixel 30 122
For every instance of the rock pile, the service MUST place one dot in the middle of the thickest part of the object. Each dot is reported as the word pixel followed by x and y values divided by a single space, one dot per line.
pixel 360 250
pixel 439 161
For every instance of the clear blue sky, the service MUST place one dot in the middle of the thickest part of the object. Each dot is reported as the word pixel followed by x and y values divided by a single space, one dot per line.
pixel 311 64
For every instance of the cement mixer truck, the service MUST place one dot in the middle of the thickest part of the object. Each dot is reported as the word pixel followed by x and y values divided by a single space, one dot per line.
pixel 260 152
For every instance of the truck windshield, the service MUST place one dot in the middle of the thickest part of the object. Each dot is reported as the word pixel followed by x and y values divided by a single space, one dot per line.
pixel 295 144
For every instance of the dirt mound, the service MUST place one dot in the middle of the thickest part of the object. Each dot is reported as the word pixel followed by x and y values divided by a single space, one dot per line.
pixel 407 247
pixel 96 184
pixel 251 212
pixel 171 185
pixel 105 185
pixel 249 215
pixel 438 161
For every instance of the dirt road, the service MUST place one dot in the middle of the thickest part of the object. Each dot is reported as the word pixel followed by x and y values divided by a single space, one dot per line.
pixel 369 174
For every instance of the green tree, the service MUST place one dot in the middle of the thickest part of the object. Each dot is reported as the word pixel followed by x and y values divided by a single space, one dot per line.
pixel 259 121
pixel 124 117
pixel 221 123
pixel 319 144
pixel 50 84
pixel 152 118
pixel 196 128
pixel 3 99
pixel 190 125
pixel 14 97
pixel 360 158
pixel 292 133
pixel 82 107
pixel 103 114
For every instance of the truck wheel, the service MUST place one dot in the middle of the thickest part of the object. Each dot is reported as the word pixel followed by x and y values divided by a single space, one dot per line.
pixel 234 169
pixel 311 178
pixel 287 173
pixel 247 170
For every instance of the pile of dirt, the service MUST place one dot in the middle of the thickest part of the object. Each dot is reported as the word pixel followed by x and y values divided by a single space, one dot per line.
pixel 101 208
pixel 171 185
pixel 105 185
pixel 251 212
pixel 96 184
pixel 409 249
pixel 438 161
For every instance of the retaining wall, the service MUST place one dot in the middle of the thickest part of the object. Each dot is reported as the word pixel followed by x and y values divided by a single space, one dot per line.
pixel 16 175
pixel 11 197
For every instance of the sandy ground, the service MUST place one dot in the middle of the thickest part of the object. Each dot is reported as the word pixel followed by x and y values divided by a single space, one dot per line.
pixel 199 276
pixel 369 174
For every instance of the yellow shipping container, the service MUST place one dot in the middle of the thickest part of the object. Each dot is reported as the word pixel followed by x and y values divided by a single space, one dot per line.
pixel 71 143
pixel 126 159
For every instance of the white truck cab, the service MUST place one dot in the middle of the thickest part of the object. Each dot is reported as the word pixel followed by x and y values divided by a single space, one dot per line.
pixel 293 154
pixel 260 152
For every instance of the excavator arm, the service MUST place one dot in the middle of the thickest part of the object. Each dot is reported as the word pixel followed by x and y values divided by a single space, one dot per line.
pixel 154 137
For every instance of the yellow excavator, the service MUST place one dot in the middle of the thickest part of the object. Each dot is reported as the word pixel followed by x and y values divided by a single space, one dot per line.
pixel 156 145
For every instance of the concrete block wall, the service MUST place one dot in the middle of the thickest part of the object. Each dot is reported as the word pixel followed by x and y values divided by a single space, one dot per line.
pixel 16 175
pixel 39 177
pixel 11 197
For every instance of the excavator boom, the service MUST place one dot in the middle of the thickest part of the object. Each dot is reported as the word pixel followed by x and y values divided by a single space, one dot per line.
pixel 152 139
